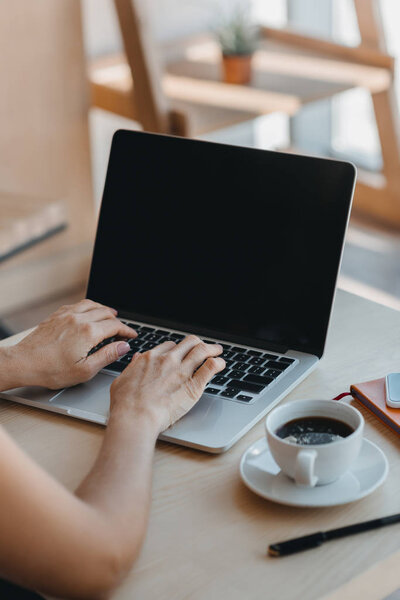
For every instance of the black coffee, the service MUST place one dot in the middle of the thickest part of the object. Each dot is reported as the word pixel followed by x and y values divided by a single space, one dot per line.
pixel 314 430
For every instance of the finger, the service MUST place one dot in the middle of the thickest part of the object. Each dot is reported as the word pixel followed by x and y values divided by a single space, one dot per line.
pixel 163 348
pixel 186 345
pixel 198 355
pixel 110 328
pixel 107 355
pixel 211 367
pixel 86 305
pixel 98 314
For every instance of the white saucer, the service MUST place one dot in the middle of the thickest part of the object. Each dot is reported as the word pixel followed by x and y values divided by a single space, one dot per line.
pixel 262 475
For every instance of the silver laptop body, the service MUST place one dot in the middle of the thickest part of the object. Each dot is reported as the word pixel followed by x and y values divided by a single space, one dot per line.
pixel 305 251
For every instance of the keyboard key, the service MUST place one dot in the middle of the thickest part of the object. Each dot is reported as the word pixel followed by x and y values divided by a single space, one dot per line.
pixel 240 366
pixel 220 380
pixel 148 346
pixel 230 364
pixel 235 374
pixel 152 337
pixel 147 329
pixel 211 390
pixel 246 386
pixel 244 398
pixel 135 344
pixel 274 364
pixel 284 359
pixel 117 366
pixel 176 336
pixel 256 370
pixel 134 325
pixel 125 358
pixel 229 392
pixel 256 360
pixel 258 379
pixel 270 357
pixel 254 352
pixel 227 354
pixel 226 347
pixel 238 349
pixel 240 356
pixel 162 332
pixel 272 373
pixel 209 342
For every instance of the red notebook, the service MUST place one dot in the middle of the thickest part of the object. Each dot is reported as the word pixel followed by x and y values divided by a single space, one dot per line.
pixel 372 394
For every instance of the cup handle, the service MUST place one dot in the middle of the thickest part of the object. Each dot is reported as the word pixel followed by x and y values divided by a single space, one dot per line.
pixel 304 468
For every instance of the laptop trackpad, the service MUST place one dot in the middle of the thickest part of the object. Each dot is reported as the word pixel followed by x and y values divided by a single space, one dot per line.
pixel 92 397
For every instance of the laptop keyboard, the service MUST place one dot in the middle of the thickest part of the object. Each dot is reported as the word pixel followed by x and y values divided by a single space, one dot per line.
pixel 248 372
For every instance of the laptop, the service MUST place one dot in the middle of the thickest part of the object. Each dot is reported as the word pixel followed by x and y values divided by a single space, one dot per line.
pixel 237 245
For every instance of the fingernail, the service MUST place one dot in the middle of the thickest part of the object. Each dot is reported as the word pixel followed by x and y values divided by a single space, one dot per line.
pixel 123 348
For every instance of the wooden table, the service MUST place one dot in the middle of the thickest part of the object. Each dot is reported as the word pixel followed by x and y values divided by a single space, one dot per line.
pixel 208 533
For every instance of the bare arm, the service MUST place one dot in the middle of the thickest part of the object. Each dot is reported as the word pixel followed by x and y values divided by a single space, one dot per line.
pixel 63 545
pixel 80 546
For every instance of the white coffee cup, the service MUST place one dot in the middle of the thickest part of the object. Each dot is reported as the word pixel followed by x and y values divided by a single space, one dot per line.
pixel 319 464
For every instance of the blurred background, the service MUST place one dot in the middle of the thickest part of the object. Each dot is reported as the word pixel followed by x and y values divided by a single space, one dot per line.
pixel 308 76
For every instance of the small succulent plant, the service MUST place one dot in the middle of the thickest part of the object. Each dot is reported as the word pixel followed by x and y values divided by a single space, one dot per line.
pixel 236 34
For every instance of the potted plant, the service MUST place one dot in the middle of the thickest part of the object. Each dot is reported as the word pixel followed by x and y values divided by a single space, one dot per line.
pixel 237 37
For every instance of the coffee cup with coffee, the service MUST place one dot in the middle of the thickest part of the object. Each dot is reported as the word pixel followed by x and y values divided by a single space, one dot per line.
pixel 314 441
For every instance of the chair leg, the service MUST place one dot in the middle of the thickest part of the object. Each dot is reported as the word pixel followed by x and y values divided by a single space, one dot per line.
pixel 178 124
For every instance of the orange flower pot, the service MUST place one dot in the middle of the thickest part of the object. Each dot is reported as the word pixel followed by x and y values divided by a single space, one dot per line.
pixel 237 68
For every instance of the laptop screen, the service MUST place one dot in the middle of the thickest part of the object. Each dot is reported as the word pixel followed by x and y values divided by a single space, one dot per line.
pixel 235 243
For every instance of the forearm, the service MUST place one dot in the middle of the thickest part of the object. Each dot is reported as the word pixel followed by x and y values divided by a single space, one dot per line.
pixel 96 534
pixel 119 484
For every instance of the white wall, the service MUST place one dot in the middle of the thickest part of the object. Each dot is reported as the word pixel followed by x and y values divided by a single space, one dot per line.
pixel 100 27
pixel 171 19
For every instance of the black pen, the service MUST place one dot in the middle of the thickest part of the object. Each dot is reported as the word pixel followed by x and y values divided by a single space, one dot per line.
pixel 317 539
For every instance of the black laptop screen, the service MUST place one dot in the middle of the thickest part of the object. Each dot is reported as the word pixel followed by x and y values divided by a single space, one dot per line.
pixel 222 240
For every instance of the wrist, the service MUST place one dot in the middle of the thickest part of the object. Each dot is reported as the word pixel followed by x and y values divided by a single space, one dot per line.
pixel 10 368
pixel 144 421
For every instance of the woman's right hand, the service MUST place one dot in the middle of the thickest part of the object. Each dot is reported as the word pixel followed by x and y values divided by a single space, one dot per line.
pixel 164 383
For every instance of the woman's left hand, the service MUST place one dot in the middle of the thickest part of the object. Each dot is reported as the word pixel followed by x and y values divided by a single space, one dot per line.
pixel 55 354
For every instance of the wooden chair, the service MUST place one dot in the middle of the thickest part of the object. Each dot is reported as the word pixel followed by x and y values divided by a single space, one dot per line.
pixel 187 96
pixel 159 101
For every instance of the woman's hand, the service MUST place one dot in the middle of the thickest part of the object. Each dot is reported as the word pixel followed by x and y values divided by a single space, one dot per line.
pixel 55 354
pixel 164 383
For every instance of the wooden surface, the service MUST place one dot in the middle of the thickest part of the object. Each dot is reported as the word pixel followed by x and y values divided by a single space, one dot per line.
pixel 208 533
pixel 298 73
pixel 363 54
pixel 378 583
pixel 44 142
